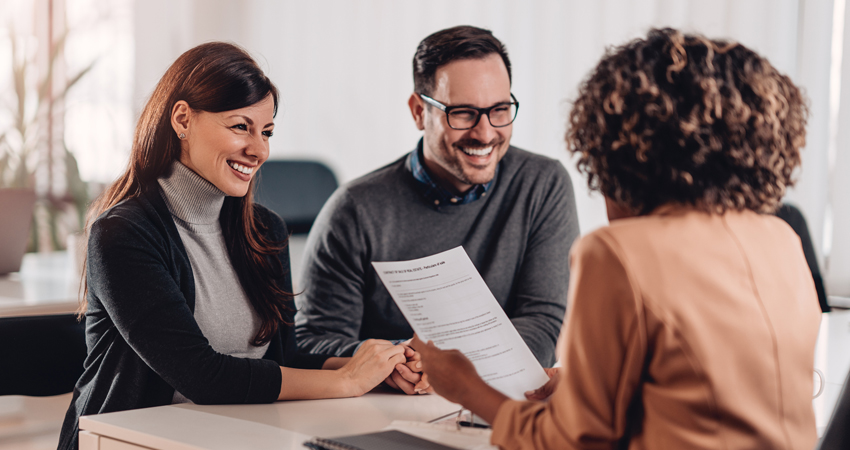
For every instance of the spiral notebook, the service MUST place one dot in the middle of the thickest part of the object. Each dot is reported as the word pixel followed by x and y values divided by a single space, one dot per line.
pixel 382 440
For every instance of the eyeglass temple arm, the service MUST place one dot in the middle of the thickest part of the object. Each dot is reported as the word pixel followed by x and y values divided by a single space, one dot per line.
pixel 433 102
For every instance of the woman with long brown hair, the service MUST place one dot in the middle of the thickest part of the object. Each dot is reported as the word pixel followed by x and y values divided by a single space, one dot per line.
pixel 692 318
pixel 188 288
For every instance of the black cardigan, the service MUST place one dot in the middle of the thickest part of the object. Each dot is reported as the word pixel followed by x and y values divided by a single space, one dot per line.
pixel 142 338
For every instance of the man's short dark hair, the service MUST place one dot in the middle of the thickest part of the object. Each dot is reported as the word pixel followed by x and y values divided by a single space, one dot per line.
pixel 452 44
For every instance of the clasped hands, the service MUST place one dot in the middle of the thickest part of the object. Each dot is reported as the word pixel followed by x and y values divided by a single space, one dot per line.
pixel 408 377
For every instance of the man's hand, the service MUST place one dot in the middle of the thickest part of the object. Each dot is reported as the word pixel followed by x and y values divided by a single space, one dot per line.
pixel 408 377
pixel 545 391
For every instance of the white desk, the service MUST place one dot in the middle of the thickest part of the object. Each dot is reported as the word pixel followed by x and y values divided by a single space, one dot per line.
pixel 832 357
pixel 48 283
pixel 281 425
pixel 285 425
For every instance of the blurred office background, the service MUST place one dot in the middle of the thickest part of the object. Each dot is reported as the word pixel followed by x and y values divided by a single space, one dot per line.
pixel 344 71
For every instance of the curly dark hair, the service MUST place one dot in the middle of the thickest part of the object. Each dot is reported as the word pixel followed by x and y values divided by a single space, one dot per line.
pixel 679 118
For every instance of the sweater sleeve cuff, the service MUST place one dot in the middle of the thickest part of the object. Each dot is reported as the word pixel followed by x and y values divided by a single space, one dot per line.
pixel 265 381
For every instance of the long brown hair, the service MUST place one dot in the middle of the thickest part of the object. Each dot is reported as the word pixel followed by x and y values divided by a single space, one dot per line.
pixel 212 77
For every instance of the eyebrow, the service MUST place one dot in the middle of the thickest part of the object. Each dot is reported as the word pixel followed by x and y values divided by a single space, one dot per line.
pixel 251 122
pixel 469 105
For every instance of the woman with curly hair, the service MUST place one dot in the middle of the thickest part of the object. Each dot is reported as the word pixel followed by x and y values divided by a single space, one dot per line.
pixel 693 317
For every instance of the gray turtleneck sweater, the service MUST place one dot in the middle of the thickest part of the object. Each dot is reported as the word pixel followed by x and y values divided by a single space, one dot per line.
pixel 222 309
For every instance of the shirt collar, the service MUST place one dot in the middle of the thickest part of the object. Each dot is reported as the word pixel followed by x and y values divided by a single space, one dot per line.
pixel 437 194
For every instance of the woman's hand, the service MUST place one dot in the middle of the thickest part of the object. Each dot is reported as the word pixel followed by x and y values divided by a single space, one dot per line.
pixel 545 391
pixel 372 364
pixel 449 372
pixel 408 377
pixel 454 377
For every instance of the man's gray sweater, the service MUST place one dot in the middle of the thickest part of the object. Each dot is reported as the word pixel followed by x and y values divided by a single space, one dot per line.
pixel 518 236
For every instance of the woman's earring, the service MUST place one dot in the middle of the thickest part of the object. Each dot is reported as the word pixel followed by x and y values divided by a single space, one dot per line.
pixel 182 136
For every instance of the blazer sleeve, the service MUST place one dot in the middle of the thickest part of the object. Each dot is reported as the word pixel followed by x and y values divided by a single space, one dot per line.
pixel 129 273
pixel 602 349
pixel 540 292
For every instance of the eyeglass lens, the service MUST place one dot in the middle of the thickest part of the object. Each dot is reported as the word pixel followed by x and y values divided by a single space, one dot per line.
pixel 499 116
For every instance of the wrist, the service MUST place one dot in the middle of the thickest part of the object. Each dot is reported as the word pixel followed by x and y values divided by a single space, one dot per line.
pixel 345 385
pixel 483 400
pixel 472 388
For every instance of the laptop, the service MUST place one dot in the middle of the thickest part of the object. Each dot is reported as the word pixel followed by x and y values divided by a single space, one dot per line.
pixel 17 206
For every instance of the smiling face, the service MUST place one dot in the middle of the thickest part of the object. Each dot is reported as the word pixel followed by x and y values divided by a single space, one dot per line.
pixel 462 158
pixel 225 148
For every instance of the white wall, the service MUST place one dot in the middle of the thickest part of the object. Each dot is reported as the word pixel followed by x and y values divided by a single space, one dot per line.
pixel 344 66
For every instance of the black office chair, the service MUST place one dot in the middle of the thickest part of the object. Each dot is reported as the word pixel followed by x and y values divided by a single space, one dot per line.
pixel 41 355
pixel 295 190
pixel 837 434
pixel 795 219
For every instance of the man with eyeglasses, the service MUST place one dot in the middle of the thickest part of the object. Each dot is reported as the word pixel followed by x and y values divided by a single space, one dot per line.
pixel 512 211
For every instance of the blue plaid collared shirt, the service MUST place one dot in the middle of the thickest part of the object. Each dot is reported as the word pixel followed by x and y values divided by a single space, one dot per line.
pixel 435 193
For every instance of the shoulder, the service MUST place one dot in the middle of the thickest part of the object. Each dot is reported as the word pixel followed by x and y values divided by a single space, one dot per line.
pixel 599 244
pixel 385 179
pixel 133 226
pixel 133 216
pixel 373 189
pixel 523 163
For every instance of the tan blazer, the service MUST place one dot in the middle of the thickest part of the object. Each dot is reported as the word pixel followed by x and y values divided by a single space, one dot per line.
pixel 684 330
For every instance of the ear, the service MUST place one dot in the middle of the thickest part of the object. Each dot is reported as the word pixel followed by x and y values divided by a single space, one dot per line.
pixel 417 110
pixel 180 115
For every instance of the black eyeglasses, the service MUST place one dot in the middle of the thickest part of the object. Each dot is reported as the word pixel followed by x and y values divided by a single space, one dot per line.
pixel 467 117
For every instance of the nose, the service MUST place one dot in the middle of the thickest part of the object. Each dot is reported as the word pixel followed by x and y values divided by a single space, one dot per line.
pixel 257 148
pixel 483 131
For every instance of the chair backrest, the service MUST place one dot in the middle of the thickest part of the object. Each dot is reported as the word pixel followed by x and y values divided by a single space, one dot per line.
pixel 837 434
pixel 794 218
pixel 41 355
pixel 295 190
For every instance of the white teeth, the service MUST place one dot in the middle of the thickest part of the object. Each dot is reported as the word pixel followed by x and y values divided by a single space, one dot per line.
pixel 241 168
pixel 481 152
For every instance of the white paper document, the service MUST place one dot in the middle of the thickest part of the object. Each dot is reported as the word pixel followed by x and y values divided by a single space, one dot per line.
pixel 445 300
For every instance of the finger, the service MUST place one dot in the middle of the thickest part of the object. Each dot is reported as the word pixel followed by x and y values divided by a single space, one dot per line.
pixel 543 392
pixel 423 385
pixel 413 366
pixel 396 359
pixel 538 394
pixel 408 374
pixel 417 344
pixel 403 385
pixel 391 383
pixel 408 352
pixel 392 351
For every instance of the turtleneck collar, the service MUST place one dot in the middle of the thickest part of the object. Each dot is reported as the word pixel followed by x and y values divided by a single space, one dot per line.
pixel 190 197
